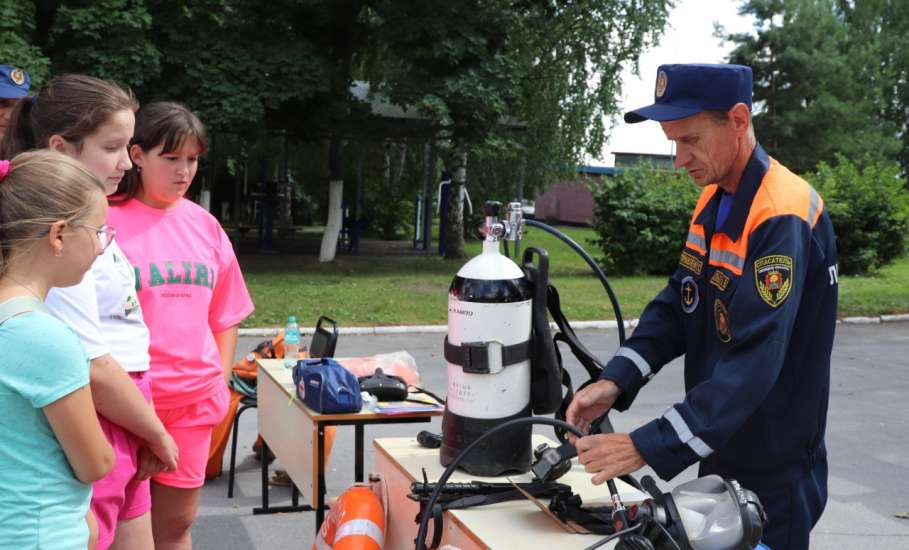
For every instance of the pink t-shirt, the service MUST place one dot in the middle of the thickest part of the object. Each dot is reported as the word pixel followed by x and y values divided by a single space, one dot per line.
pixel 190 287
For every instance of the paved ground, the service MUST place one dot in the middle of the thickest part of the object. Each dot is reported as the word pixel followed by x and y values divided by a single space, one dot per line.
pixel 867 441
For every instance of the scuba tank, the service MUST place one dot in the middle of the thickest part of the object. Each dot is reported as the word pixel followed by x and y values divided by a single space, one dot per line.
pixel 488 350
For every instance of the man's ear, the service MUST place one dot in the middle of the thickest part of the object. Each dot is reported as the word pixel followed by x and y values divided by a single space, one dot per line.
pixel 741 118
pixel 55 236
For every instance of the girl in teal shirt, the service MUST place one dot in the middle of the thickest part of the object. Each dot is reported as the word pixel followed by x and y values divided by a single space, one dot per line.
pixel 52 214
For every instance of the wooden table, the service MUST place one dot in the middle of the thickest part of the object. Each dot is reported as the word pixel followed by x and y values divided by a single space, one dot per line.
pixel 505 525
pixel 296 435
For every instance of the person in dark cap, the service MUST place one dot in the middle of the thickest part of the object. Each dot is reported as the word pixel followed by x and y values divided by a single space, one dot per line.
pixel 751 306
pixel 14 85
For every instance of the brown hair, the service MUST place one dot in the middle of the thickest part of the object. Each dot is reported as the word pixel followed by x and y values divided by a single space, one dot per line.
pixel 163 123
pixel 71 105
pixel 41 188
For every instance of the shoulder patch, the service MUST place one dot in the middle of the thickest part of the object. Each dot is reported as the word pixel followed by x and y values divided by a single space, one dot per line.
pixel 690 294
pixel 691 263
pixel 720 280
pixel 773 278
pixel 721 320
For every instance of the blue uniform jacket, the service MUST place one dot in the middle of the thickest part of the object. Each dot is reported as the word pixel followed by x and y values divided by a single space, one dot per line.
pixel 752 306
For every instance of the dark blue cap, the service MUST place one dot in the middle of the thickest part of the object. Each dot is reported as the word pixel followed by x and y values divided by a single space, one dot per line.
pixel 686 90
pixel 14 82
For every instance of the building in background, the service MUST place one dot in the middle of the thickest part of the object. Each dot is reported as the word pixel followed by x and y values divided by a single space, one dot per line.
pixel 571 202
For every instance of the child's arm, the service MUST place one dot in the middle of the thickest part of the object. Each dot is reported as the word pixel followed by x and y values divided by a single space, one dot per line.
pixel 92 529
pixel 117 399
pixel 76 426
pixel 226 341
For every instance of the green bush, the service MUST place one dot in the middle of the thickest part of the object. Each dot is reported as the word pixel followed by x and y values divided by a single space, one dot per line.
pixel 641 218
pixel 869 208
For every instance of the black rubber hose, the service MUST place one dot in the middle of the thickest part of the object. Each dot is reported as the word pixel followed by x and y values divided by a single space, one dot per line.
pixel 420 543
pixel 593 265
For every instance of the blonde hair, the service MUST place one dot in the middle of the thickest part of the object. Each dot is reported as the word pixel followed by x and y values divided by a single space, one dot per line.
pixel 41 188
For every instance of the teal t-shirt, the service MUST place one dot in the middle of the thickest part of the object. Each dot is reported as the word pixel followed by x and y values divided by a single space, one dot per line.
pixel 42 504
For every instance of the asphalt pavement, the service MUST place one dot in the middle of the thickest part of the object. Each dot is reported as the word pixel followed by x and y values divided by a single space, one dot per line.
pixel 867 432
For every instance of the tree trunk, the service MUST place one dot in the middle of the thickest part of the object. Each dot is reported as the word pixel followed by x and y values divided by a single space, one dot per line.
pixel 335 194
pixel 455 249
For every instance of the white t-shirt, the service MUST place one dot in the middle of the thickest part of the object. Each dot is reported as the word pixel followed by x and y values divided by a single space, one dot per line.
pixel 104 311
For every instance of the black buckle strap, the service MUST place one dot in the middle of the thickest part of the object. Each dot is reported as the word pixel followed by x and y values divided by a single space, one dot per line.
pixel 473 357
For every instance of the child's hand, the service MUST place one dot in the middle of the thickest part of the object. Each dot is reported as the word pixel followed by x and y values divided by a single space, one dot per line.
pixel 165 449
pixel 149 465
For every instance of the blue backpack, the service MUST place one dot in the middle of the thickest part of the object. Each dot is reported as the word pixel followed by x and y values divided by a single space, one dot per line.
pixel 327 387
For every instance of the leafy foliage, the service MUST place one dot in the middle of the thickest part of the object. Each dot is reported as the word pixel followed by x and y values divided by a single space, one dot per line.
pixel 528 83
pixel 641 218
pixel 869 208
pixel 816 76
pixel 18 27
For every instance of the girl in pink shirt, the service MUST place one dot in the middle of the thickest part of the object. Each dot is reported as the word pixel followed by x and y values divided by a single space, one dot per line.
pixel 193 297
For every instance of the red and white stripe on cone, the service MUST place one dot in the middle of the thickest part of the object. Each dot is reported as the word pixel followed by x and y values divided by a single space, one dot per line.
pixel 356 522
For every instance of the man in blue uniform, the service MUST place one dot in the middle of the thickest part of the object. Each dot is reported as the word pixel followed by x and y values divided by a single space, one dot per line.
pixel 14 84
pixel 752 306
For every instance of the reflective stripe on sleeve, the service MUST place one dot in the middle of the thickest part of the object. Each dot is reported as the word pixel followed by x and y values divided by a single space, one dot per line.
pixel 360 527
pixel 697 240
pixel 684 432
pixel 635 358
pixel 727 258
pixel 813 206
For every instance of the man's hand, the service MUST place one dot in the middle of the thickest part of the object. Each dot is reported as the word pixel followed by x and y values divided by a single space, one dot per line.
pixel 591 403
pixel 148 464
pixel 166 451
pixel 608 456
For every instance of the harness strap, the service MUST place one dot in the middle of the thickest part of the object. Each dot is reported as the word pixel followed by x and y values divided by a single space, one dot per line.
pixel 474 356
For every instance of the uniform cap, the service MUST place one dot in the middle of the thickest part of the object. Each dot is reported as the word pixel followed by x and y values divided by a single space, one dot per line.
pixel 685 90
pixel 14 82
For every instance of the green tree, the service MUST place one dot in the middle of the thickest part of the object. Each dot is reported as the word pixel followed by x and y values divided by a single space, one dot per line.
pixel 818 83
pixel 886 23
pixel 19 42
pixel 529 80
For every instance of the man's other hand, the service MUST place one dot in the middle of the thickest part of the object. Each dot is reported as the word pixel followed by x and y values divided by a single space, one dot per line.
pixel 591 403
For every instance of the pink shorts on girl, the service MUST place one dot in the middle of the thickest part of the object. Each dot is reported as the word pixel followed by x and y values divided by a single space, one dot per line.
pixel 119 496
pixel 191 427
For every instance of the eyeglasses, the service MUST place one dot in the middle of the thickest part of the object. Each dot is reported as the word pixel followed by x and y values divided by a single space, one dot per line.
pixel 105 234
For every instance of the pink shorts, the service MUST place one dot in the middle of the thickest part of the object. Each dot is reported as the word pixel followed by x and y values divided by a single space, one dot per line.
pixel 191 427
pixel 119 496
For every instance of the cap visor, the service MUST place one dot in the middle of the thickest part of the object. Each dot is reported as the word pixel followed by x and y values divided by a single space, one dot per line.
pixel 12 92
pixel 660 112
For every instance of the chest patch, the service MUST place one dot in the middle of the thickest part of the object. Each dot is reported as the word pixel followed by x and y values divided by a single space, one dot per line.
pixel 773 277
pixel 721 319
pixel 691 263
pixel 689 294
pixel 720 280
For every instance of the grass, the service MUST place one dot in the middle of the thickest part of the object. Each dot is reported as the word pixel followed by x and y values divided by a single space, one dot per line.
pixel 413 290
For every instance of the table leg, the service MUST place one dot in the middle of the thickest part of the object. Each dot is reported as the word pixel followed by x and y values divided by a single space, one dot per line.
pixel 358 453
pixel 264 476
pixel 320 504
pixel 265 508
